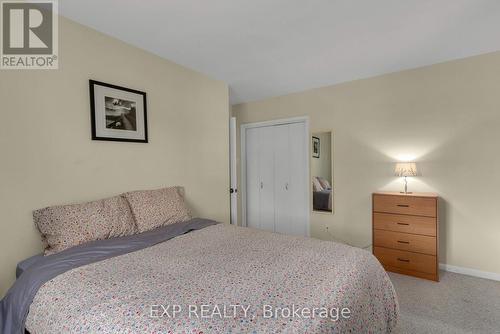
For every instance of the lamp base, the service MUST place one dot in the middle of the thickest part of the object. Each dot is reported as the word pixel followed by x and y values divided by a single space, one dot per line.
pixel 406 192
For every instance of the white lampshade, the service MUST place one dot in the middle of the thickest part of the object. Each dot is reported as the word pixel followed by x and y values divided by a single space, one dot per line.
pixel 405 169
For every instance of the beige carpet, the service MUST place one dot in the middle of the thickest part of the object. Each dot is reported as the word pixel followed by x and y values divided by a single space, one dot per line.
pixel 457 304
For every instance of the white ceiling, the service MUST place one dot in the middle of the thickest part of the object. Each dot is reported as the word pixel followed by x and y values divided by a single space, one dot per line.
pixel 265 48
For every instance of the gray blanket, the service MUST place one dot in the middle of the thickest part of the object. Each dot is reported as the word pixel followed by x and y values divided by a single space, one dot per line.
pixel 322 200
pixel 15 305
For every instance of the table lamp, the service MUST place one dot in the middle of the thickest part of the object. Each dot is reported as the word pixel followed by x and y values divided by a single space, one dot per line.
pixel 405 169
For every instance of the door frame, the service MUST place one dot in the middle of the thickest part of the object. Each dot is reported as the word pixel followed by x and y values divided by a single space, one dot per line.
pixel 243 158
pixel 233 172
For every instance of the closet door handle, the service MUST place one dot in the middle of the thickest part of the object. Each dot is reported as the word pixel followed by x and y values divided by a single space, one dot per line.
pixel 286 186
pixel 261 185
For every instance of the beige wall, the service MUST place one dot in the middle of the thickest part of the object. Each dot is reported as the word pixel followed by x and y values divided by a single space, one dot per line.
pixel 47 156
pixel 446 117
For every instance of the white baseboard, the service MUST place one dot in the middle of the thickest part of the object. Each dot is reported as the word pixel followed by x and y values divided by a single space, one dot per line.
pixel 469 272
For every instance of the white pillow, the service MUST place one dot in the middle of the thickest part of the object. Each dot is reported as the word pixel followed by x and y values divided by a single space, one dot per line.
pixel 316 184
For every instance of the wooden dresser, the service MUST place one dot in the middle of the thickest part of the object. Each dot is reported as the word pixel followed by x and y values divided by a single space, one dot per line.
pixel 405 233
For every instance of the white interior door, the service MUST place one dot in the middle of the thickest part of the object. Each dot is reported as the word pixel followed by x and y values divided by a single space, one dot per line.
pixel 266 171
pixel 252 188
pixel 276 176
pixel 282 189
pixel 298 194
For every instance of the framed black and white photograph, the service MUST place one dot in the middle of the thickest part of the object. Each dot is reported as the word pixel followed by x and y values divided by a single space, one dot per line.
pixel 117 113
pixel 315 147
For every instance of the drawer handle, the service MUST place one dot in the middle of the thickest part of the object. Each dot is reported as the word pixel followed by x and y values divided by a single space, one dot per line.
pixel 403 260
pixel 406 224
pixel 403 205
pixel 403 242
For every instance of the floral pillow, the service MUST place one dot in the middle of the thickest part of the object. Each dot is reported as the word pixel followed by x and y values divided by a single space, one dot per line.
pixel 155 208
pixel 67 226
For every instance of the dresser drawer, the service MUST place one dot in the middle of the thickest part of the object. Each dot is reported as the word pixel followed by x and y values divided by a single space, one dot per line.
pixel 406 260
pixel 407 205
pixel 404 241
pixel 405 224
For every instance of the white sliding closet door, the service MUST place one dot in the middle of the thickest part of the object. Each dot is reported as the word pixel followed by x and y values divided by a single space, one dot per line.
pixel 266 169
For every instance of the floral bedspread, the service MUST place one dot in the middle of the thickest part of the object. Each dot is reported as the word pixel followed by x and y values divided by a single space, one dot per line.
pixel 222 279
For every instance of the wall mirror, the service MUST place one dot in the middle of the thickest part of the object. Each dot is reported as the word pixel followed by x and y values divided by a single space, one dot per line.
pixel 322 171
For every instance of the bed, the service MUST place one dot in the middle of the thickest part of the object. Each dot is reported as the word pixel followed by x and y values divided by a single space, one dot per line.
pixel 138 263
pixel 216 265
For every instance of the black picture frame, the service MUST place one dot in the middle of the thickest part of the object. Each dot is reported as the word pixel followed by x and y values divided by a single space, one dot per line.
pixel 315 147
pixel 95 136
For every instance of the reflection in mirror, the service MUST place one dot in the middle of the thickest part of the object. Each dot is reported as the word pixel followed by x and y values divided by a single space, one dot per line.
pixel 321 172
